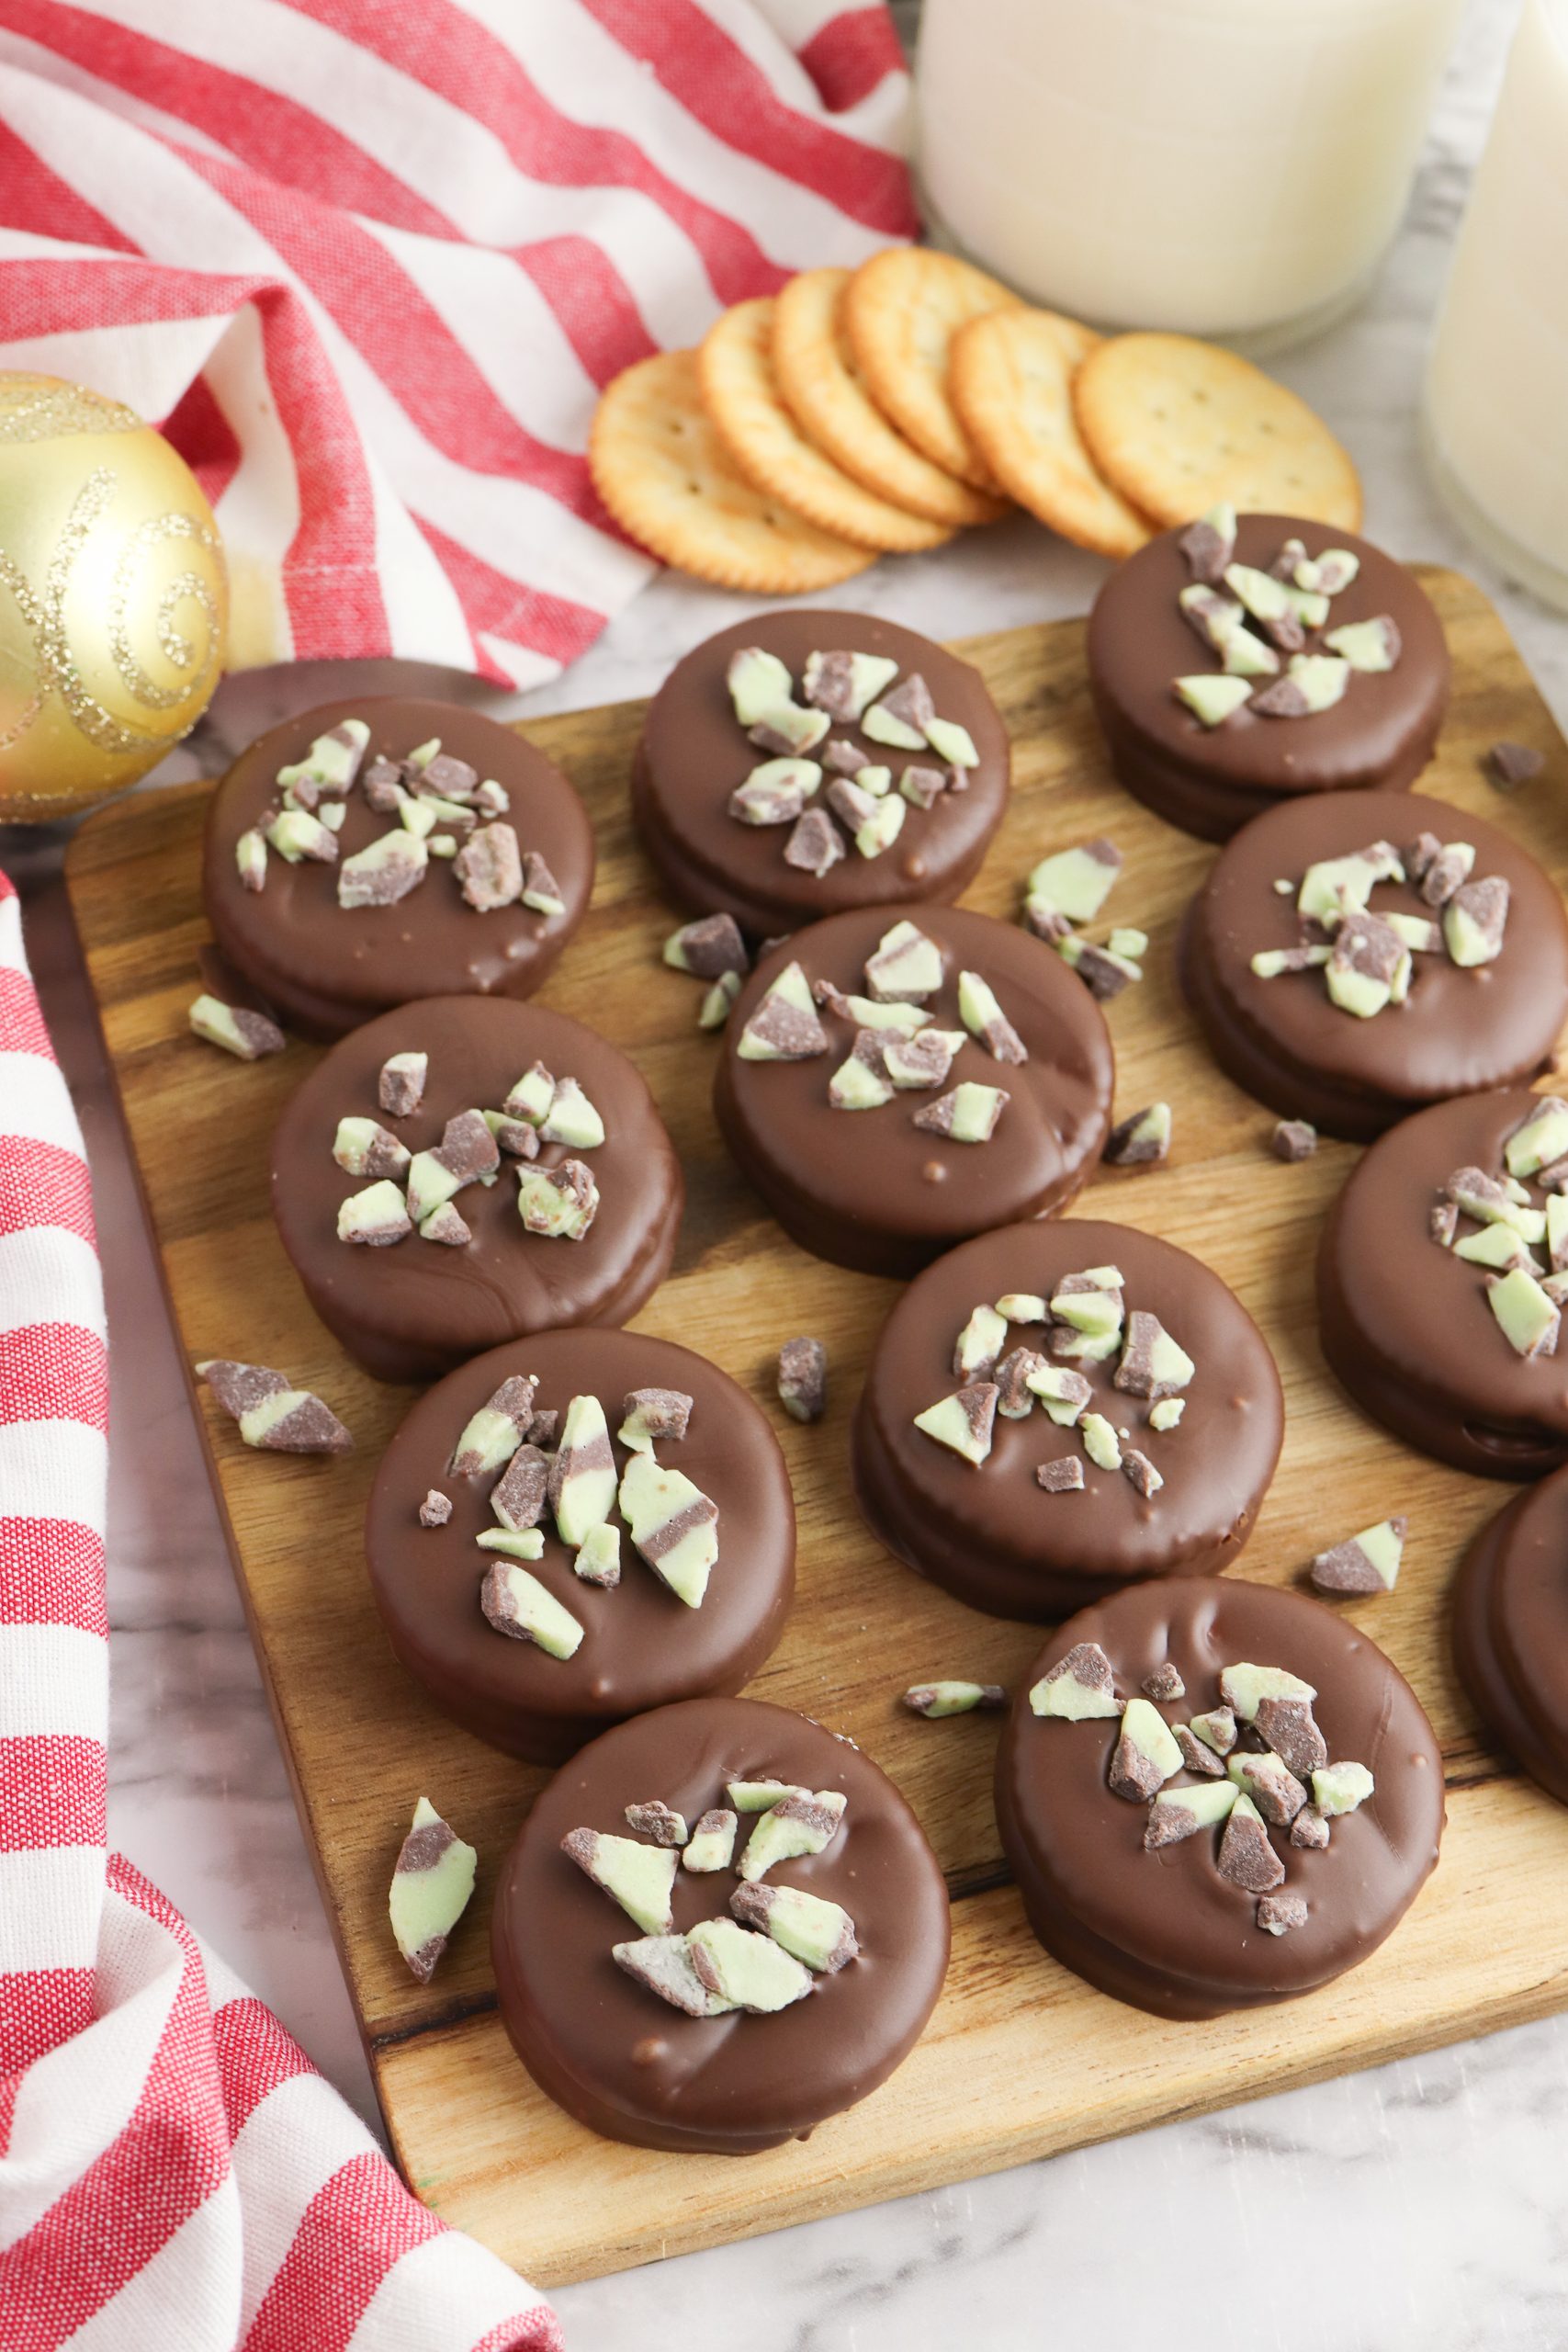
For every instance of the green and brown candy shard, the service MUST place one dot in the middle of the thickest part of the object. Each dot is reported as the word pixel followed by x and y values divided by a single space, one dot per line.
pixel 429 1890
pixel 273 1415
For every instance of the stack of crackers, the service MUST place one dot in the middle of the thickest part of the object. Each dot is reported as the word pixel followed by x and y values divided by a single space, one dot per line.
pixel 878 411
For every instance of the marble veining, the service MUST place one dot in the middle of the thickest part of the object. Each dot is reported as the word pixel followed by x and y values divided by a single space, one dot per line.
pixel 1420 2205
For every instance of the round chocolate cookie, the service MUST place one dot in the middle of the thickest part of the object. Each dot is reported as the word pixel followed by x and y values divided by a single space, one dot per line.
pixel 891 1088
pixel 1216 1795
pixel 1429 984
pixel 732 828
pixel 1437 1294
pixel 1209 771
pixel 448 1488
pixel 1510 1631
pixel 422 1235
pixel 1028 1462
pixel 479 900
pixel 853 1912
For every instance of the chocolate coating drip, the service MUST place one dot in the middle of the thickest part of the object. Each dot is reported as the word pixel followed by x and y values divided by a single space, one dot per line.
pixel 1163 1930
pixel 987 1532
pixel 1510 1631
pixel 413 1311
pixel 1287 1044
pixel 695 751
pixel 326 967
pixel 858 1187
pixel 1210 780
pixel 729 2084
pixel 641 1647
pixel 1405 1325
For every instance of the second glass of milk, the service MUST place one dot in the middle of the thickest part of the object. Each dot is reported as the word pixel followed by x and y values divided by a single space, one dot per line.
pixel 1497 414
pixel 1219 167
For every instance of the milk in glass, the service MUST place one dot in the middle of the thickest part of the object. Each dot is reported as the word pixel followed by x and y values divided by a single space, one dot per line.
pixel 1220 168
pixel 1497 416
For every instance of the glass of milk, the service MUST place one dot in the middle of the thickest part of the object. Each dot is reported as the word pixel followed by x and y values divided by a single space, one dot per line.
pixel 1231 168
pixel 1496 412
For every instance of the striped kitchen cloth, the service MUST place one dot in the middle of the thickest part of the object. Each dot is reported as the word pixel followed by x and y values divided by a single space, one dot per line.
pixel 370 262
pixel 174 2176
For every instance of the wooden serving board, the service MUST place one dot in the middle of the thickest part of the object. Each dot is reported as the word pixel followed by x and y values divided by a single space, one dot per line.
pixel 1021 2059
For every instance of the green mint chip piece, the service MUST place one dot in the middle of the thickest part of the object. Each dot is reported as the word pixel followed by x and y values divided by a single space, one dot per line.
pixel 517 1604
pixel 1527 1317
pixel 673 1525
pixel 951 742
pixel 1079 1689
pixel 1211 695
pixel 819 1934
pixel 1340 1788
pixel 750 1971
pixel 798 1825
pixel 906 963
pixel 1542 1138
pixel 1076 882
pixel 639 1877
pixel 1178 1813
pixel 963 1422
pixel 1242 1685
pixel 517 1542
pixel 431 1886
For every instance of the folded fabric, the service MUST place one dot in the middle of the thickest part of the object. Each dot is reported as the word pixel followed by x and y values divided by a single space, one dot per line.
pixel 174 2176
pixel 370 264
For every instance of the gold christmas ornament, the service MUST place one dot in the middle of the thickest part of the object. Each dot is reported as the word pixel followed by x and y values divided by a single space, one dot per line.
pixel 113 597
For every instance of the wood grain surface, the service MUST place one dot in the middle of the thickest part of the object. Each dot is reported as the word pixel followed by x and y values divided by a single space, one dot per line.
pixel 1021 2059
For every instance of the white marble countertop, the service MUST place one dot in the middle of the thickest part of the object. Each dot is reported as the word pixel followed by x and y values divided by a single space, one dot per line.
pixel 1424 2196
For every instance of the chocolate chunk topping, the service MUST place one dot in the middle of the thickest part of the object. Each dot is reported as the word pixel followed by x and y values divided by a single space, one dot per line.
pixel 1141 1471
pixel 1015 1399
pixel 1208 550
pixel 1483 908
pixel 786 1030
pixel 1272 1786
pixel 1309 1829
pixel 1290 1730
pixel 709 948
pixel 436 1509
pixel 658 1412
pixel 1165 1683
pixel 911 702
pixel 518 1498
pixel 1284 699
pixel 1104 975
pixel 400 1086
pixel 1142 1141
pixel 1510 764
pixel 540 889
pixel 383 785
pixel 803 1379
pixel 830 686
pixel 656 1820
pixel 490 868
pixel 1246 1859
pixel 1276 1913
pixel 1065 1475
pixel 1293 1139
pixel 1194 1755
pixel 1444 871
pixel 922 786
pixel 814 842
pixel 240 1386
pixel 467 1150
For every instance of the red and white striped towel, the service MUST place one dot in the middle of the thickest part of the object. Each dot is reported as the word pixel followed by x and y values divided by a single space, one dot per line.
pixel 174 2176
pixel 370 262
